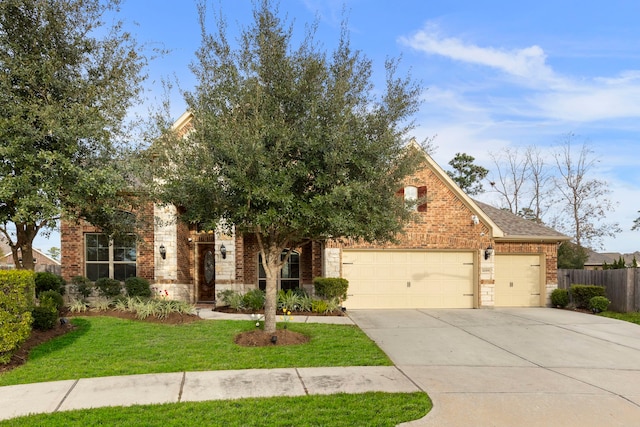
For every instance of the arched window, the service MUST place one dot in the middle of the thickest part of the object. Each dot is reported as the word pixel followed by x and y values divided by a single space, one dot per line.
pixel 289 277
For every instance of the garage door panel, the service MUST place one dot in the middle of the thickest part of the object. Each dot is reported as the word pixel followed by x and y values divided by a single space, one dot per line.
pixel 410 279
pixel 517 280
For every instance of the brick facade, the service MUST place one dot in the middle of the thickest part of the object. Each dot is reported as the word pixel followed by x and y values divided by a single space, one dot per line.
pixel 448 221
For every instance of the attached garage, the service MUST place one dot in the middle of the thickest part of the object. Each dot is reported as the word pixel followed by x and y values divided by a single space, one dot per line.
pixel 409 279
pixel 518 280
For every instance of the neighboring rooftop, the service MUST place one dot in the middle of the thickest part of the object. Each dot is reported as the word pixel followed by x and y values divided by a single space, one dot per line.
pixel 514 226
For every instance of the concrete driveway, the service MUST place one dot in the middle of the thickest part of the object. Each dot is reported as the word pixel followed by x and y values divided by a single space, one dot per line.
pixel 514 367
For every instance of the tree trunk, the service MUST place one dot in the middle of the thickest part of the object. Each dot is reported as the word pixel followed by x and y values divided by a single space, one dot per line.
pixel 25 233
pixel 272 264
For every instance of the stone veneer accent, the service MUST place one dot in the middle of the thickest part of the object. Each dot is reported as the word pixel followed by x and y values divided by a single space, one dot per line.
pixel 332 266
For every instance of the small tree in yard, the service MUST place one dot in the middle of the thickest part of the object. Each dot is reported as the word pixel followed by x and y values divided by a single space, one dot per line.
pixel 288 144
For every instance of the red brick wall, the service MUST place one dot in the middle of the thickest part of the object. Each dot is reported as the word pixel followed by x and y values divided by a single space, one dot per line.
pixel 446 223
pixel 72 246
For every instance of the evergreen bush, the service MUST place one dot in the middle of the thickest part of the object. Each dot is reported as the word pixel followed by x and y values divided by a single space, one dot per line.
pixel 137 287
pixel 51 298
pixel 599 304
pixel 560 298
pixel 17 290
pixel 581 294
pixel 82 285
pixel 46 281
pixel 331 287
pixel 44 317
pixel 108 288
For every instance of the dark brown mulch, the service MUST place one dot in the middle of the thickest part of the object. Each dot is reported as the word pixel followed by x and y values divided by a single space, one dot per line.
pixel 260 338
pixel 36 338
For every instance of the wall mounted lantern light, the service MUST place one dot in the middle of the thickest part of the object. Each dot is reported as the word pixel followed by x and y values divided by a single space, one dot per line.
pixel 163 252
pixel 223 251
pixel 488 252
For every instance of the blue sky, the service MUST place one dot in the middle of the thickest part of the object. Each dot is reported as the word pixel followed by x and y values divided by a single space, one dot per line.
pixel 498 74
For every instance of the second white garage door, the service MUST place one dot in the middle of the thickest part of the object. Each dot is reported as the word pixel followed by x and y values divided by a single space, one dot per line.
pixel 408 279
pixel 517 281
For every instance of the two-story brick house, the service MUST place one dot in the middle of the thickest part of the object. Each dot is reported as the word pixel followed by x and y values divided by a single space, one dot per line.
pixel 457 253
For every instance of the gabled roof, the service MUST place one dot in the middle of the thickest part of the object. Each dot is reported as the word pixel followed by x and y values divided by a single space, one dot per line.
pixel 504 225
pixel 6 257
pixel 519 229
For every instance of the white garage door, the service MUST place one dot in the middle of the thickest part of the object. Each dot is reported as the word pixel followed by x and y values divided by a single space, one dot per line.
pixel 517 281
pixel 408 279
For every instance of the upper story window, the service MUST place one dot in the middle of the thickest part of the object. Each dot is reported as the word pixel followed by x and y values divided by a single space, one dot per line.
pixel 110 258
pixel 415 198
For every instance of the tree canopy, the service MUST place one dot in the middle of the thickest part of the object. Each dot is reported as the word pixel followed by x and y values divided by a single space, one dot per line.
pixel 66 82
pixel 466 174
pixel 289 143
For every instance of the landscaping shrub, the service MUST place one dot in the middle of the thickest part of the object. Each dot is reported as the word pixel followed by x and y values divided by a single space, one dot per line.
pixel 77 306
pixel 599 304
pixel 254 299
pixel 582 294
pixel 289 300
pixel 82 285
pixel 137 287
pixel 49 282
pixel 560 298
pixel 51 298
pixel 231 298
pixel 319 306
pixel 44 317
pixel 108 288
pixel 331 287
pixel 17 290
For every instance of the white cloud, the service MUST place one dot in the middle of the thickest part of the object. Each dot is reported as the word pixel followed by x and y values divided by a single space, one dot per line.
pixel 600 99
pixel 536 90
pixel 528 63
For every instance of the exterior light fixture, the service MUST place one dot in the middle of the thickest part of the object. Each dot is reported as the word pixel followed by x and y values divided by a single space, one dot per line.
pixel 488 252
pixel 223 251
pixel 163 252
pixel 475 220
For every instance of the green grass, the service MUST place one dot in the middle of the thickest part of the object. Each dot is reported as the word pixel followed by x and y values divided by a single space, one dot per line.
pixel 106 346
pixel 368 409
pixel 633 317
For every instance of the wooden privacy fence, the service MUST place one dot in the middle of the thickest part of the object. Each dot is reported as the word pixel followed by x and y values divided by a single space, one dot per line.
pixel 622 285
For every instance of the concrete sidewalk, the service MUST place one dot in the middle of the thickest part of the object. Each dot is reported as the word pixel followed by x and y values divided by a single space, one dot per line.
pixel 197 386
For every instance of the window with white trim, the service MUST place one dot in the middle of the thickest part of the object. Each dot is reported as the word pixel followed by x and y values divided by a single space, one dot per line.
pixel 115 258
pixel 411 198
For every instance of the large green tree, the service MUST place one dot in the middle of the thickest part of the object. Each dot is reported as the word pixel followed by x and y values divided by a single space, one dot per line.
pixel 289 143
pixel 66 82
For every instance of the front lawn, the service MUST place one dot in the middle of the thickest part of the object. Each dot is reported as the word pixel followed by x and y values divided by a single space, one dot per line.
pixel 106 346
pixel 367 409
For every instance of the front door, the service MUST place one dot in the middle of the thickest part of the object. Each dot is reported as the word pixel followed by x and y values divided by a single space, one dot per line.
pixel 206 283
